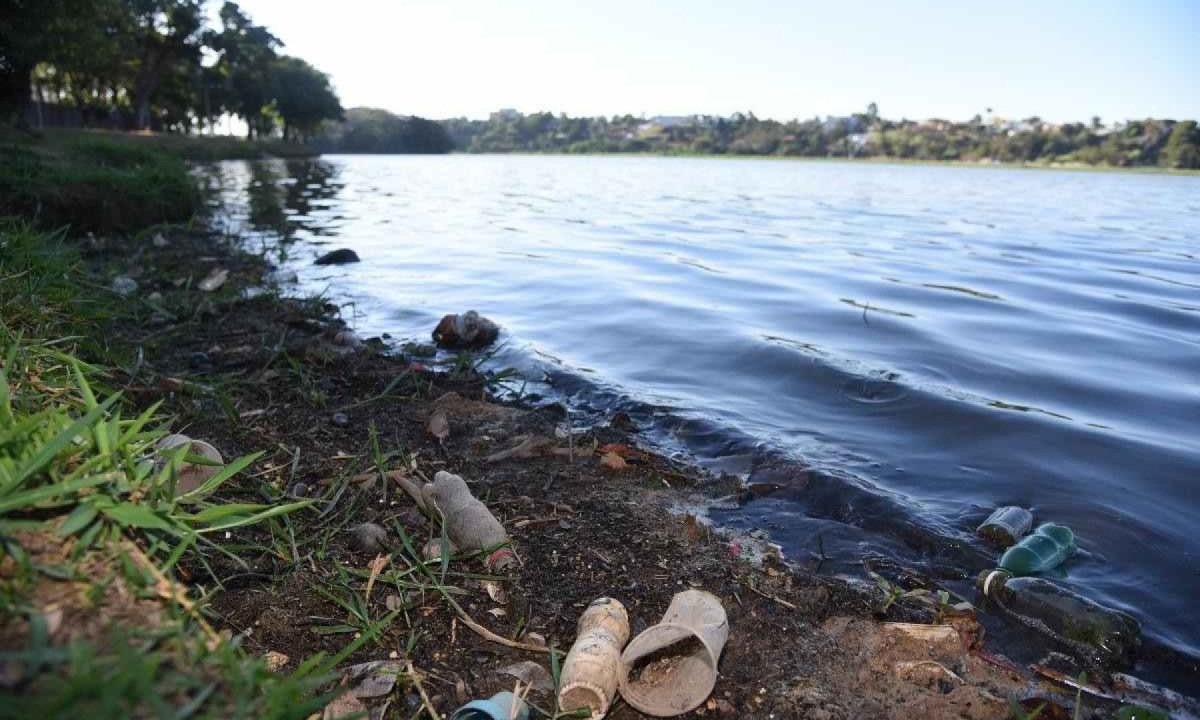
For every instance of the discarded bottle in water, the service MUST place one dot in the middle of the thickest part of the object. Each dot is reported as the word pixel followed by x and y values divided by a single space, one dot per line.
pixel 1044 550
pixel 1005 526
pixel 1111 633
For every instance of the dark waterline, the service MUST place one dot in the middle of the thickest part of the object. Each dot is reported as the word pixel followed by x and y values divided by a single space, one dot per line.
pixel 941 340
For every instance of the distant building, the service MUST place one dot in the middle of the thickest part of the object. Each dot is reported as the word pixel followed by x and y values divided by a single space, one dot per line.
pixel 505 115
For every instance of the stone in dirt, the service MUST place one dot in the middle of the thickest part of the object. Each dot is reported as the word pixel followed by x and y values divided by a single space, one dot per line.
pixel 368 538
pixel 341 256
pixel 124 285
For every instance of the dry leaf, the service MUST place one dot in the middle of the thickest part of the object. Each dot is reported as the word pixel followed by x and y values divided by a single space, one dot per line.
pixel 276 660
pixel 613 461
pixel 344 706
pixel 530 673
pixel 498 612
pixel 496 592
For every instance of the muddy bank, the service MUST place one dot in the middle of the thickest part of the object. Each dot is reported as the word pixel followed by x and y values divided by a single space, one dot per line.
pixel 337 422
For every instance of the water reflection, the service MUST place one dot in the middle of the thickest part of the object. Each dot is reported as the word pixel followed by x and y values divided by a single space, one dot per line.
pixel 289 198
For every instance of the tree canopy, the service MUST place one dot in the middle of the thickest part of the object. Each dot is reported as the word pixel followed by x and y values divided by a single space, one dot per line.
pixel 156 64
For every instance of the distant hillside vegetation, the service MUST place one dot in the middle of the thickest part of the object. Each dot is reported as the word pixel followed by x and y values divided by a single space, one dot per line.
pixel 371 130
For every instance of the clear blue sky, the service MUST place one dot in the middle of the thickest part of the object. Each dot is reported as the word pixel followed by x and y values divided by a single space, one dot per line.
pixel 1066 60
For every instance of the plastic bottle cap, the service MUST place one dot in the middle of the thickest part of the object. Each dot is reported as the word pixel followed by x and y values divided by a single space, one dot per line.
pixel 987 583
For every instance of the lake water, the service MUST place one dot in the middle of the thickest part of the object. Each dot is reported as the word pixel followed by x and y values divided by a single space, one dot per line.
pixel 930 342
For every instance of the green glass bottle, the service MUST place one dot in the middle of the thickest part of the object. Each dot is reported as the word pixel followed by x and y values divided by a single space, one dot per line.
pixel 1046 548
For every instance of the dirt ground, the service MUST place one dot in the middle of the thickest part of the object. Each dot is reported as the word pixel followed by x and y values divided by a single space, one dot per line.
pixel 256 373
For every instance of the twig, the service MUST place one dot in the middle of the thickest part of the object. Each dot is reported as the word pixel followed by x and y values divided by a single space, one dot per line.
pixel 412 672
pixel 779 600
pixel 486 634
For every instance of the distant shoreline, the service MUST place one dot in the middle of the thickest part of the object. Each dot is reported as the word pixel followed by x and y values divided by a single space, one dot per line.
pixel 1069 167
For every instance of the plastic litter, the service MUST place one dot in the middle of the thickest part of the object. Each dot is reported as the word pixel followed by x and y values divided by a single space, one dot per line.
pixel 1044 550
pixel 593 668
pixel 468 330
pixel 1038 602
pixel 470 526
pixel 501 706
pixel 671 667
pixel 190 475
pixel 1005 526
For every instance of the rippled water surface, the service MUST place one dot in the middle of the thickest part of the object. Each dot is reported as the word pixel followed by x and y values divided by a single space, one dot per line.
pixel 941 339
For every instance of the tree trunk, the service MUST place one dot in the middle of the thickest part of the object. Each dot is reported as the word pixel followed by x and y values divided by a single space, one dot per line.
pixel 16 89
pixel 148 78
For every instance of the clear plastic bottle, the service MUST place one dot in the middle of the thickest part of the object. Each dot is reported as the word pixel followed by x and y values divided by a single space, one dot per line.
pixel 1044 550
pixel 1005 526
pixel 1113 634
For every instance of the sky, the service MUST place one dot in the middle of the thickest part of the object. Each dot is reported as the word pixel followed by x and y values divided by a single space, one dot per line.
pixel 1063 60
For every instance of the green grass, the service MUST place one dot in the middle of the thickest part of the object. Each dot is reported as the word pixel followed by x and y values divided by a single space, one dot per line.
pixel 94 185
pixel 79 471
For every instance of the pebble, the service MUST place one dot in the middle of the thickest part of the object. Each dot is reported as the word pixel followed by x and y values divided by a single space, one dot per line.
pixel 340 420
pixel 368 538
pixel 199 359
pixel 340 256
pixel 124 285
pixel 299 490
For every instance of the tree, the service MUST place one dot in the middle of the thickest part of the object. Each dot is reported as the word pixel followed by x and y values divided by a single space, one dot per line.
pixel 247 58
pixel 303 97
pixel 164 32
pixel 1183 146
pixel 32 32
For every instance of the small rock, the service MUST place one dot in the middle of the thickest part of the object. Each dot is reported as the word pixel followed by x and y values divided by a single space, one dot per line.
pixel 299 490
pixel 341 256
pixel 214 280
pixel 347 338
pixel 393 602
pixel 368 538
pixel 124 285
pixel 155 297
pixel 159 241
pixel 535 639
pixel 622 421
pixel 438 425
pixel 340 420
pixel 421 350
pixel 199 359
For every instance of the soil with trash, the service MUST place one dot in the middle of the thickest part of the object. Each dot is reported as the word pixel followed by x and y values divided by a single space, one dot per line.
pixel 583 515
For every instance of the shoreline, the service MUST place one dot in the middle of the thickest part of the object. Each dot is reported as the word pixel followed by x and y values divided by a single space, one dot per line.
pixel 1073 167
pixel 253 372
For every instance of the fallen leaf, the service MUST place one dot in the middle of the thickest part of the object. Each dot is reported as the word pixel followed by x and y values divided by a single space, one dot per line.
pixel 530 673
pixel 498 612
pixel 496 592
pixel 276 660
pixel 344 706
pixel 375 679
pixel 613 461
pixel 215 279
